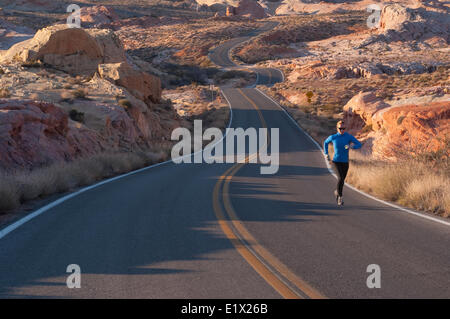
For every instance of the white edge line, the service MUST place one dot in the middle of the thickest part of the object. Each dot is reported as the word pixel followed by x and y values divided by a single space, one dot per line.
pixel 350 186
pixel 8 229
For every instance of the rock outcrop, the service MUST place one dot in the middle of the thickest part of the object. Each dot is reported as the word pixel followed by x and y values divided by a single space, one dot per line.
pixel 322 70
pixel 142 85
pixel 394 130
pixel 98 16
pixel 402 23
pixel 360 110
pixel 247 8
pixel 76 51
pixel 251 9
pixel 99 99
pixel 37 133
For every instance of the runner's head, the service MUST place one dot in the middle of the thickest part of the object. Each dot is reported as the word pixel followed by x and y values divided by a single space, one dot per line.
pixel 340 127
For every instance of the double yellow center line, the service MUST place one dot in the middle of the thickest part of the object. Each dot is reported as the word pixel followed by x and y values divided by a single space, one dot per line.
pixel 272 270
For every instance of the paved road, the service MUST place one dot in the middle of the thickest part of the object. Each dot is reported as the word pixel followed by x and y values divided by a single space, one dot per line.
pixel 221 57
pixel 226 231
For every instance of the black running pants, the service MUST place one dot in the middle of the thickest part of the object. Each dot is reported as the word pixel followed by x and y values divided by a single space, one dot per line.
pixel 341 169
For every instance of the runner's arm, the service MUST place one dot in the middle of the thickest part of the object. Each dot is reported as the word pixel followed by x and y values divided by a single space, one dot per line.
pixel 325 145
pixel 356 144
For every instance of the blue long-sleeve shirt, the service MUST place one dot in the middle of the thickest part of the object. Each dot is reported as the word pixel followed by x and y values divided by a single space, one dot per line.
pixel 341 144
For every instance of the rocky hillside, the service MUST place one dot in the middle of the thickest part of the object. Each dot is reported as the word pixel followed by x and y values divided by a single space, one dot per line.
pixel 71 93
pixel 390 83
pixel 68 93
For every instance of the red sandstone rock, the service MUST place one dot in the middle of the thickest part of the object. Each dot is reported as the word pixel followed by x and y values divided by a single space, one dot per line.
pixel 98 16
pixel 77 51
pixel 250 8
pixel 142 85
pixel 398 130
pixel 416 128
pixel 359 111
pixel 36 133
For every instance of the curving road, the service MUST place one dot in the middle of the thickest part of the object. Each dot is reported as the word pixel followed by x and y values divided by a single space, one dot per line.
pixel 225 231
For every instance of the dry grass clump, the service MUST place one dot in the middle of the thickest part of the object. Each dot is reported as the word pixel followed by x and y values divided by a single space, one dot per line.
pixel 411 183
pixel 22 186
pixel 429 193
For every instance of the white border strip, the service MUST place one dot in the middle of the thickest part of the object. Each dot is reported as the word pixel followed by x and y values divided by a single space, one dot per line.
pixel 350 186
pixel 8 229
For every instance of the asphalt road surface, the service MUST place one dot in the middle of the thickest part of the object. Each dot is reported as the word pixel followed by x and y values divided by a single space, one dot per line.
pixel 226 231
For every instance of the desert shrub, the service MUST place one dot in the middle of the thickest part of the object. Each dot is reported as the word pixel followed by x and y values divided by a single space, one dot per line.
pixel 125 104
pixel 8 193
pixel 4 93
pixel 2 71
pixel 309 95
pixel 76 116
pixel 430 193
pixel 79 94
pixel 32 64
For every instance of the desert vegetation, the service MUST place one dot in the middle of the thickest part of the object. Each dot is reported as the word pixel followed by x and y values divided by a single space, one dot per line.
pixel 420 183
pixel 20 186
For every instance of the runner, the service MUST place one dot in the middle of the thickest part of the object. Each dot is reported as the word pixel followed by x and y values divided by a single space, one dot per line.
pixel 342 142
